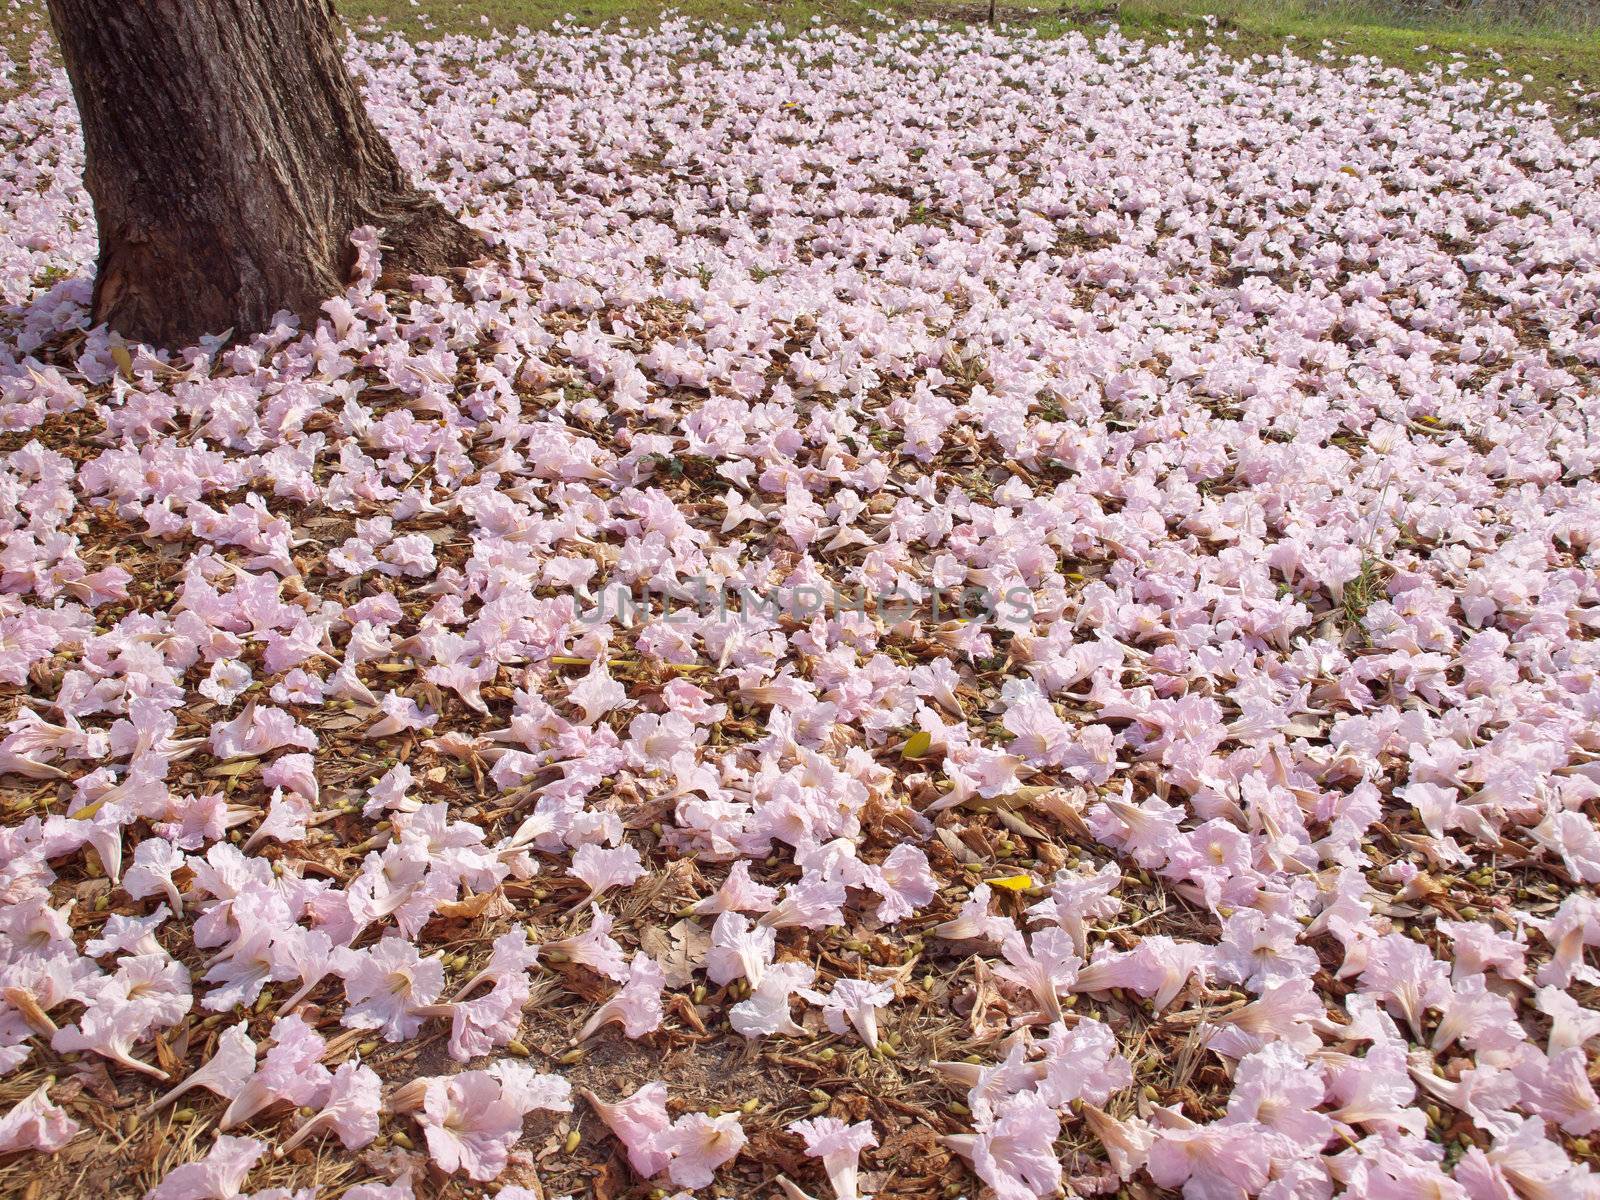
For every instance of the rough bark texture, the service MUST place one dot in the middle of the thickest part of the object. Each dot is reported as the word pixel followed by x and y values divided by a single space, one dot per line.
pixel 229 157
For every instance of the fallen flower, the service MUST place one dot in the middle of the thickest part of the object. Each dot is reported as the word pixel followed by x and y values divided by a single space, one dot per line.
pixel 636 1121
pixel 636 1006
pixel 839 1146
pixel 218 1176
pixel 698 1145
pixel 471 1120
pixel 225 1071
pixel 35 1123
pixel 349 1109
pixel 1015 1155
pixel 853 1003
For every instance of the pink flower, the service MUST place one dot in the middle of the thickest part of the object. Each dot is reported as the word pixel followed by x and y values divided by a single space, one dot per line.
pixel 839 1146
pixel 974 920
pixel 1081 1063
pixel 1044 966
pixel 766 1012
pixel 128 935
pixel 594 948
pixel 1570 1024
pixel 739 950
pixel 604 869
pixel 636 1006
pixel 400 713
pixel 1479 947
pixel 481 1025
pixel 225 1071
pixel 218 1176
pixel 1158 968
pixel 698 1145
pixel 597 693
pixel 636 1122
pixel 304 954
pixel 1524 1165
pixel 1375 1091
pixel 1486 1094
pixel 472 1120
pixel 1276 1088
pixel 905 883
pixel 385 985
pixel 33 986
pixel 511 956
pixel 1286 1012
pixel 1146 832
pixel 155 860
pixel 1209 1162
pixel 291 1071
pixel 1481 1019
pixel 1041 737
pixel 1574 927
pixel 812 903
pixel 989 1086
pixel 296 773
pixel 853 1003
pixel 1258 950
pixel 110 1029
pixel 349 1109
pixel 259 730
pixel 1126 1143
pixel 1558 1089
pixel 1076 898
pixel 1015 1155
pixel 738 893
pixel 653 741
pixel 35 1123
pixel 1406 976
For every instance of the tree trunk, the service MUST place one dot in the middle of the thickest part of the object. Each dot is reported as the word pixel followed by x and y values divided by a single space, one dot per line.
pixel 229 156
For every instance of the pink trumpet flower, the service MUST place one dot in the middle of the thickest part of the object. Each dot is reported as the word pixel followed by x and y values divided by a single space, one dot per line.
pixel 635 1121
pixel 594 948
pixel 1015 1155
pixel 853 1003
pixel 291 1072
pixel 839 1146
pixel 218 1176
pixel 738 893
pixel 471 1120
pixel 35 1123
pixel 636 1006
pixel 1157 968
pixel 974 920
pixel 739 950
pixel 1044 965
pixel 1076 899
pixel 511 955
pixel 699 1145
pixel 349 1109
pixel 224 1072
pixel 110 1030
pixel 154 863
pixel 602 869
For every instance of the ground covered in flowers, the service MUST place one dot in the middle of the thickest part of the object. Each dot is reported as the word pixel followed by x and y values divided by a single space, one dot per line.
pixel 1107 697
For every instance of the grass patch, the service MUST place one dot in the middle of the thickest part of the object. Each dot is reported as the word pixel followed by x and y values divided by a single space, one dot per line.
pixel 1360 593
pixel 1551 48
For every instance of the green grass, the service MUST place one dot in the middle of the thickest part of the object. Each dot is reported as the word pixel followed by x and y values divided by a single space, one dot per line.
pixel 1552 42
pixel 1554 46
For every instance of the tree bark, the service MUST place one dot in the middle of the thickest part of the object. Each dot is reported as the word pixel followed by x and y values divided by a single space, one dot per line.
pixel 229 156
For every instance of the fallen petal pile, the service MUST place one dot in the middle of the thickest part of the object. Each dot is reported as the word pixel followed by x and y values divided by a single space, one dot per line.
pixel 962 612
